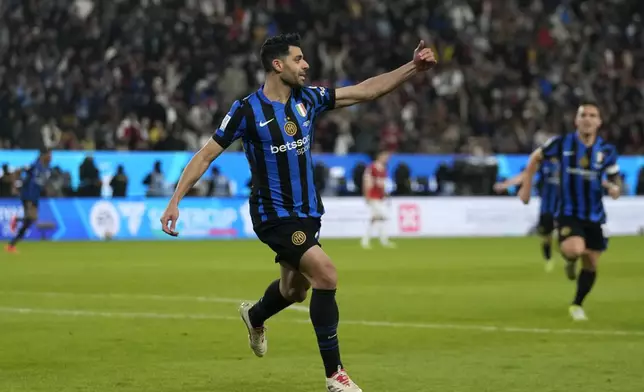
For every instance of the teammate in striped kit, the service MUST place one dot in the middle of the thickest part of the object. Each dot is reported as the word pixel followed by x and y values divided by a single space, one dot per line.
pixel 548 186
pixel 585 160
pixel 276 126
pixel 34 179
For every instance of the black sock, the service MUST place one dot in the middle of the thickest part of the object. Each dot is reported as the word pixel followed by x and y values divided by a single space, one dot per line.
pixel 21 233
pixel 325 316
pixel 269 305
pixel 546 249
pixel 585 283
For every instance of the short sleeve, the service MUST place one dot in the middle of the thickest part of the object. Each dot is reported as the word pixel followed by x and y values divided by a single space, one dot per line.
pixel 610 160
pixel 550 148
pixel 232 126
pixel 322 98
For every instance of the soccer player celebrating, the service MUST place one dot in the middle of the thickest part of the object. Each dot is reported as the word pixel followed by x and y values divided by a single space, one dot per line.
pixel 276 126
pixel 373 188
pixel 549 191
pixel 584 160
pixel 35 178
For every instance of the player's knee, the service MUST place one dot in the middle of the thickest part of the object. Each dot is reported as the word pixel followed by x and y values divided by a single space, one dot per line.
pixel 573 248
pixel 326 277
pixel 296 294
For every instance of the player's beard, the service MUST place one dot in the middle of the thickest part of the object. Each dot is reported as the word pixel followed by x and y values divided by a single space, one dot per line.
pixel 291 81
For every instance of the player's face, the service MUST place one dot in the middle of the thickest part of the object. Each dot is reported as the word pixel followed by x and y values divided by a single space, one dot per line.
pixel 294 67
pixel 588 120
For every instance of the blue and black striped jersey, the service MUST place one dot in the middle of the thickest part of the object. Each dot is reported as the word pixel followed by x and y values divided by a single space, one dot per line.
pixel 581 172
pixel 35 178
pixel 548 185
pixel 277 141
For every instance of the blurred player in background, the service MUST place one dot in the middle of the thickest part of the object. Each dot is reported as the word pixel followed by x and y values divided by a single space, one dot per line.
pixel 548 186
pixel 585 159
pixel 276 126
pixel 373 189
pixel 33 181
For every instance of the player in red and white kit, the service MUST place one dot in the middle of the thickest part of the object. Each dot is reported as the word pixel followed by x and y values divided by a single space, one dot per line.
pixel 373 189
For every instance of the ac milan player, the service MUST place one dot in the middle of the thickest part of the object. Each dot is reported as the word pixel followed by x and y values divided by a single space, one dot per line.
pixel 373 188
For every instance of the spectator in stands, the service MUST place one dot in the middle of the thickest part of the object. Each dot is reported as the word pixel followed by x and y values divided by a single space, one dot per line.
pixel 218 184
pixel 56 183
pixel 119 182
pixel 6 182
pixel 90 180
pixel 155 181
pixel 640 183
pixel 51 134
pixel 509 71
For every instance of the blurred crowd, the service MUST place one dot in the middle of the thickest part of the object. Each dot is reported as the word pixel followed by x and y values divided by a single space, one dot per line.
pixel 160 74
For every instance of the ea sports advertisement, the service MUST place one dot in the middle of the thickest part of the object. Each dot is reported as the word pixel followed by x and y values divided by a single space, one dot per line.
pixel 346 217
pixel 95 219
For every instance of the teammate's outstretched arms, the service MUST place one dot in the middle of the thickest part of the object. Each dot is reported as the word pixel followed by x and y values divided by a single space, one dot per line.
pixel 191 174
pixel 500 187
pixel 380 85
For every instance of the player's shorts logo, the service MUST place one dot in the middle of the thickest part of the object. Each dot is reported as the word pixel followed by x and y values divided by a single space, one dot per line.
pixel 565 231
pixel 290 128
pixel 298 238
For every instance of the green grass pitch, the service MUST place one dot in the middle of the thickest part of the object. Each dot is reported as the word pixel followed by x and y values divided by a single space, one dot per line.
pixel 451 315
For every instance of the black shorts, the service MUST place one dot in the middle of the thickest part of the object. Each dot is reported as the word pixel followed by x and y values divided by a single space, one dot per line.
pixel 289 238
pixel 546 224
pixel 591 232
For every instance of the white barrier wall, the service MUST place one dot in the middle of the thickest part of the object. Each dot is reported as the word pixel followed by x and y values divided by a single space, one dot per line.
pixel 464 216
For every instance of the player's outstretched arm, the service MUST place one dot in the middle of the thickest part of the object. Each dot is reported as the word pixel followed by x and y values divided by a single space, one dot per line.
pixel 191 174
pixel 380 85
pixel 526 181
pixel 502 186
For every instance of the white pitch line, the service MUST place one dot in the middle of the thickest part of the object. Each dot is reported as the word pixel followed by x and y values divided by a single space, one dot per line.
pixel 386 324
pixel 150 297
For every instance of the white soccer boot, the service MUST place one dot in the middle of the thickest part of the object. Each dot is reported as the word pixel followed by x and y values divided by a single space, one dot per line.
pixel 256 336
pixel 577 313
pixel 341 382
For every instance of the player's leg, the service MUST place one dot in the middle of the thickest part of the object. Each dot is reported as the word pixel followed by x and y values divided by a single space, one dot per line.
pixel 382 215
pixel 280 294
pixel 596 243
pixel 546 227
pixel 372 226
pixel 572 244
pixel 30 216
pixel 321 273
pixel 289 239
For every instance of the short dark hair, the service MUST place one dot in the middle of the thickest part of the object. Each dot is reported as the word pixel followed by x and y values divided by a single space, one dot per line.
pixel 591 103
pixel 277 46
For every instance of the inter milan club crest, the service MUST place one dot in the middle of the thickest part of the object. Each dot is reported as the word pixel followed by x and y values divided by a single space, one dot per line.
pixel 290 128
pixel 298 238
pixel 301 109
pixel 583 162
